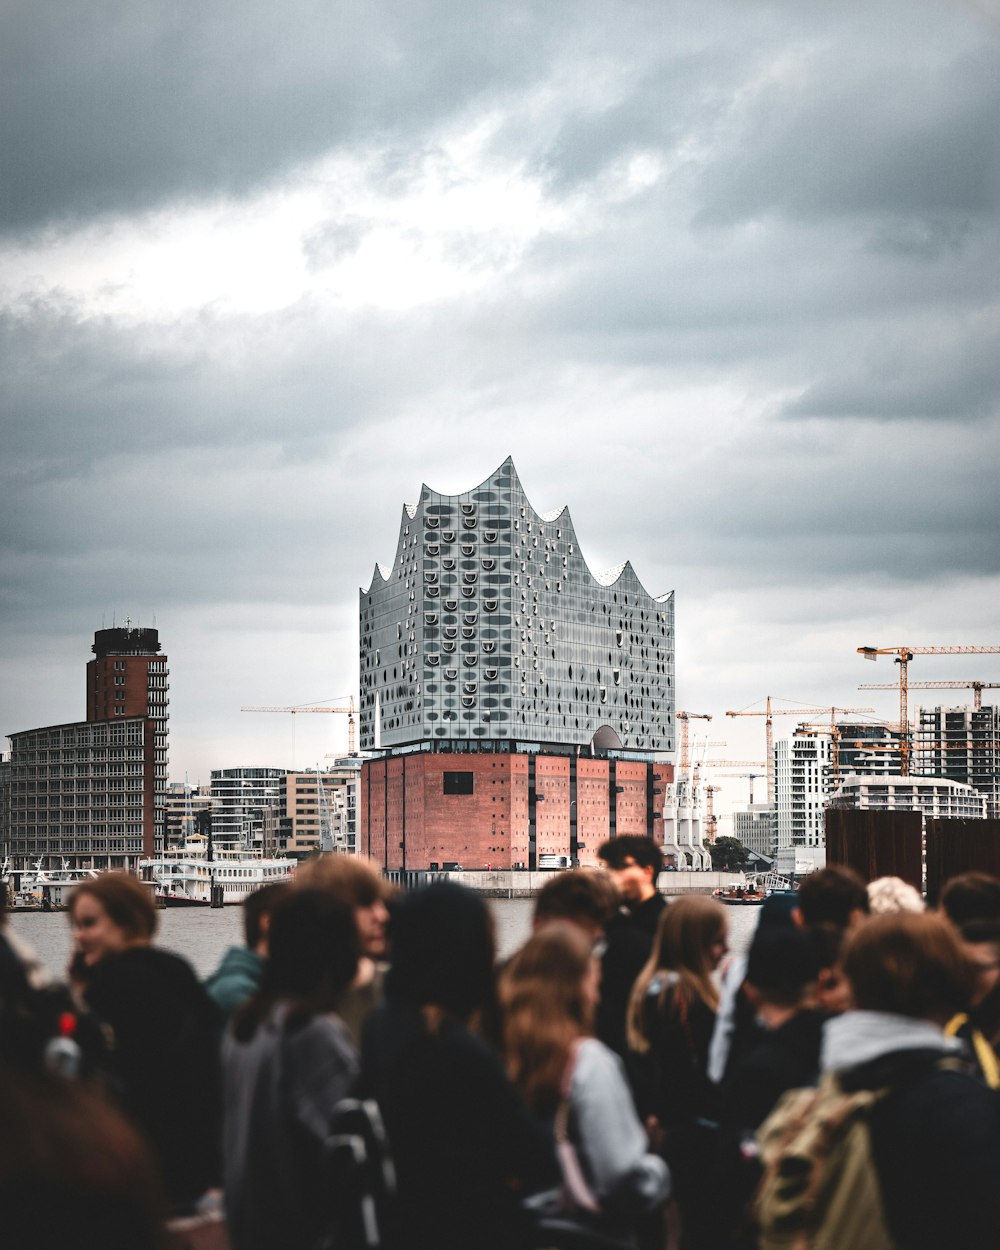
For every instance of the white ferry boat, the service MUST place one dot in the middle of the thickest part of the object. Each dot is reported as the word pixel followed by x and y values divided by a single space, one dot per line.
pixel 45 889
pixel 185 877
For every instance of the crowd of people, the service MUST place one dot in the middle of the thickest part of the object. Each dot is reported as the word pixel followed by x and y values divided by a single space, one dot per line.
pixel 621 1082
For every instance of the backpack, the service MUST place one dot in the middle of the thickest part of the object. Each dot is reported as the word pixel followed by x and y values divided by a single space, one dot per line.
pixel 820 1189
pixel 362 1179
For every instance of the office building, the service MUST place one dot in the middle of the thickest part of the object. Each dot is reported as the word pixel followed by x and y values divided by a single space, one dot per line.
pixel 91 794
pixel 755 827
pixel 490 639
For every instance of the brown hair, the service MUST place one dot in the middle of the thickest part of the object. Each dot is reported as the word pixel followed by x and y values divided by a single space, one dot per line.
pixel 910 964
pixel 127 901
pixel 688 928
pixel 351 879
pixel 581 894
pixel 545 1010
pixel 830 895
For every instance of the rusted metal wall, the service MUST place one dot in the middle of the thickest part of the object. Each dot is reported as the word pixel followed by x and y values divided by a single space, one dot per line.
pixel 955 846
pixel 875 844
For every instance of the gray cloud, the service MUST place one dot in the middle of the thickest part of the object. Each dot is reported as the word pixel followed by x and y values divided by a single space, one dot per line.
pixel 113 108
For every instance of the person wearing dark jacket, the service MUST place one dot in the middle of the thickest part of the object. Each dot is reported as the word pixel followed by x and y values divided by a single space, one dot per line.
pixel 165 1052
pixel 935 1131
pixel 288 1061
pixel 633 862
pixel 465 1146
pixel 781 969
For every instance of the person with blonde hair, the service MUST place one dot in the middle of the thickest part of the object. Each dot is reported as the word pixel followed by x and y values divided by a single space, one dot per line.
pixel 670 1022
pixel 892 894
pixel 611 1181
pixel 357 883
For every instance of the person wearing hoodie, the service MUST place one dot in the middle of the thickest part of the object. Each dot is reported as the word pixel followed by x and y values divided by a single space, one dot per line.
pixel 239 974
pixel 935 1131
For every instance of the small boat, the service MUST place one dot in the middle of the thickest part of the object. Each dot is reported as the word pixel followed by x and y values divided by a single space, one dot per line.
pixel 194 875
pixel 740 896
pixel 47 889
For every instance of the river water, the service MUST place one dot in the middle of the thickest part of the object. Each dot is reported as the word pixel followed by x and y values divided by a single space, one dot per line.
pixel 202 935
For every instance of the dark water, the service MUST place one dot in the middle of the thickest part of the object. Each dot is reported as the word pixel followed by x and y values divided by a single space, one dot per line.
pixel 202 935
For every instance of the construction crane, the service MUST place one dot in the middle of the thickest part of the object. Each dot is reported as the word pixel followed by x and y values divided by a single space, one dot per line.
pixel 751 777
pixel 711 820
pixel 770 712
pixel 977 687
pixel 902 657
pixel 684 717
pixel 349 710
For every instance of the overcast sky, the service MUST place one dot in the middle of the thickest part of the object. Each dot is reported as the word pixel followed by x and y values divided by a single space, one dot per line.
pixel 722 277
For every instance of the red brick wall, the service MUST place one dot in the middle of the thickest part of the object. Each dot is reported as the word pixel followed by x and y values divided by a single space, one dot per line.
pixel 490 826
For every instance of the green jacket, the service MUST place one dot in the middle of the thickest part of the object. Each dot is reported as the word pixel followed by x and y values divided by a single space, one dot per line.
pixel 235 979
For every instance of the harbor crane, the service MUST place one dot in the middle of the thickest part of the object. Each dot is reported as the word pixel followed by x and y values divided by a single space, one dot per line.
pixel 349 709
pixel 977 688
pixel 684 718
pixel 770 711
pixel 902 656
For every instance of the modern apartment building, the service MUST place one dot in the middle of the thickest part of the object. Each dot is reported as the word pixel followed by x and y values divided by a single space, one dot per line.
pixel 318 811
pixel 961 744
pixel 92 793
pixel 754 826
pixel 934 797
pixel 802 772
pixel 490 639
pixel 244 801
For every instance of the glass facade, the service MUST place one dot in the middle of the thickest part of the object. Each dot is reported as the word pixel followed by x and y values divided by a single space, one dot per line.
pixel 490 627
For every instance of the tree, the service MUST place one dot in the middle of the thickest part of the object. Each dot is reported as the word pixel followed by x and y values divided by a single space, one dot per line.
pixel 728 854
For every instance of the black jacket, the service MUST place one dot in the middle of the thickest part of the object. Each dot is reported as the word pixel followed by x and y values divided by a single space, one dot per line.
pixel 629 938
pixel 165 1060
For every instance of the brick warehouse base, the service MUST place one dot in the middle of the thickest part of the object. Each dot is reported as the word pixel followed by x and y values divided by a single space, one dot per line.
pixel 496 811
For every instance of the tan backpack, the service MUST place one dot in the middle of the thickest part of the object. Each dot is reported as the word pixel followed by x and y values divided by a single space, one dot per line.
pixel 820 1189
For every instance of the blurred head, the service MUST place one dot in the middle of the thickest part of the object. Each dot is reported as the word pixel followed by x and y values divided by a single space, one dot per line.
pixel 782 966
pixel 971 896
pixel 832 993
pixel 109 914
pixel 580 896
pixel 634 862
pixel 357 883
pixel 833 895
pixel 889 894
pixel 73 1164
pixel 548 994
pixel 909 964
pixel 690 941
pixel 313 952
pixel 442 950
pixel 257 908
pixel 692 936
pixel 981 943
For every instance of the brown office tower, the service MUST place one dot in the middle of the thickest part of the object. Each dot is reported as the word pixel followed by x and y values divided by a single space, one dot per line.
pixel 91 794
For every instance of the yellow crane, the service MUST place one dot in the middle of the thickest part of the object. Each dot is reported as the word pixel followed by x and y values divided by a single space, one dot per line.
pixel 902 657
pixel 977 687
pixel 349 709
pixel 684 718
pixel 770 711
pixel 711 820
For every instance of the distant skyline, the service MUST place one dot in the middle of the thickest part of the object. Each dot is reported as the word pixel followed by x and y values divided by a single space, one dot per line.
pixel 721 277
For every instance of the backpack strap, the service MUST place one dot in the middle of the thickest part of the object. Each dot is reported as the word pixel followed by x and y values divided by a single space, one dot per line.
pixel 984 1052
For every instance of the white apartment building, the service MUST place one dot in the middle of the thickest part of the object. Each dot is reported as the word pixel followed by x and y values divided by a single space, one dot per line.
pixel 755 827
pixel 802 781
pixel 935 797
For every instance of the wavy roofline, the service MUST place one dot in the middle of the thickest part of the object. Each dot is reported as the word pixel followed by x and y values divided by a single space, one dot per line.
pixel 607 578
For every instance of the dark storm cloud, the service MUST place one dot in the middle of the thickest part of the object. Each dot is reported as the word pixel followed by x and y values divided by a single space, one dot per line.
pixel 113 107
